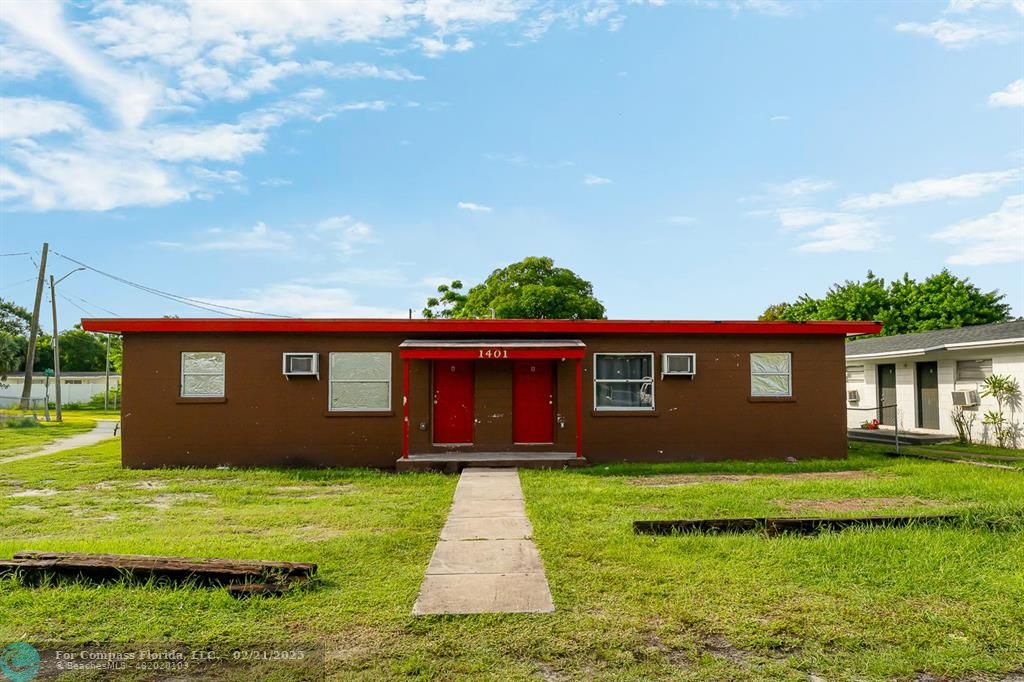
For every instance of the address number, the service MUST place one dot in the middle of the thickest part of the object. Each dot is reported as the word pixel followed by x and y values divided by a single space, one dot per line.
pixel 494 353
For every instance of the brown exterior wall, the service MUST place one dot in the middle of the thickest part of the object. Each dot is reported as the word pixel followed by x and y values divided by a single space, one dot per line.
pixel 266 419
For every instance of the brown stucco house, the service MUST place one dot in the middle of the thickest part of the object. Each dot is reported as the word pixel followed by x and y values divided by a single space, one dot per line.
pixel 387 393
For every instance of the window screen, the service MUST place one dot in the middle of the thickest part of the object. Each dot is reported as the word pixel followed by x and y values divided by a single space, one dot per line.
pixel 624 381
pixel 360 382
pixel 855 374
pixel 973 370
pixel 771 375
pixel 202 375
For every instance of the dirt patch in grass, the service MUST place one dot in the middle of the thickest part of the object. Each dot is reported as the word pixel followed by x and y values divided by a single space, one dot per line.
pixel 35 492
pixel 855 504
pixel 667 480
pixel 165 501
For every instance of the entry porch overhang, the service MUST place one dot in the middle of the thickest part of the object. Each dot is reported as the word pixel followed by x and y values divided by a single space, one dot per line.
pixel 491 349
pixel 488 350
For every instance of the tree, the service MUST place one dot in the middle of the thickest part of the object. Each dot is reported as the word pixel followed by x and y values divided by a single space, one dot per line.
pixel 903 306
pixel 12 352
pixel 533 288
pixel 451 299
pixel 14 319
pixel 80 351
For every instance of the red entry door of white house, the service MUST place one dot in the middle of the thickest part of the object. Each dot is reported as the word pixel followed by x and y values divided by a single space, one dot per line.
pixel 533 400
pixel 453 402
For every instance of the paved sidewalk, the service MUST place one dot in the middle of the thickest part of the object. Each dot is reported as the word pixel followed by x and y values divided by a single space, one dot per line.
pixel 485 561
pixel 103 430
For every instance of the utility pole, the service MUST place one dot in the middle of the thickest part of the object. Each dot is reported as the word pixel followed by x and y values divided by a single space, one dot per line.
pixel 56 334
pixel 30 354
pixel 56 349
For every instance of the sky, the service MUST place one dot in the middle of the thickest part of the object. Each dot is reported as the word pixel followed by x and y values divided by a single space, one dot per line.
pixel 693 159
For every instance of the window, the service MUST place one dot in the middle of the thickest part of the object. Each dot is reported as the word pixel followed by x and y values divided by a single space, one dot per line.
pixel 855 374
pixel 360 382
pixel 771 375
pixel 624 381
pixel 202 375
pixel 973 370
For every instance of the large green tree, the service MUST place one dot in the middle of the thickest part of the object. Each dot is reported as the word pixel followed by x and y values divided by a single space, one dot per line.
pixel 14 319
pixel 905 305
pixel 80 351
pixel 533 288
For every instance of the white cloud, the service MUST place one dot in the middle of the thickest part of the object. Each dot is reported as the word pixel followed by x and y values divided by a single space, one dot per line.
pixel 276 182
pixel 1012 96
pixel 779 119
pixel 345 233
pixel 436 46
pixel 802 186
pixel 957 35
pixel 995 238
pixel 41 23
pixel 224 142
pixel 962 6
pixel 86 179
pixel 305 300
pixel 844 234
pixel 800 218
pixel 30 116
pixel 681 220
pixel 474 208
pixel 258 238
pixel 17 62
pixel 959 187
pixel 596 180
pixel 225 177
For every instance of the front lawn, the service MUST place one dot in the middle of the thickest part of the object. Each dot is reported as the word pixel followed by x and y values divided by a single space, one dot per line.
pixel 860 604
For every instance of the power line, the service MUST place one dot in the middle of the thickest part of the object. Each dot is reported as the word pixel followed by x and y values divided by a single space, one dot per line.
pixel 93 305
pixel 195 303
pixel 74 304
pixel 20 253
pixel 11 286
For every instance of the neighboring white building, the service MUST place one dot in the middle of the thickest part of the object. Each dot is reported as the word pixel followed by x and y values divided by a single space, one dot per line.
pixel 919 373
pixel 75 387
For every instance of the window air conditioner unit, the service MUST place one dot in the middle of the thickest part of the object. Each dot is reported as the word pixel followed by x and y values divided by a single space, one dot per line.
pixel 678 364
pixel 853 396
pixel 965 398
pixel 301 364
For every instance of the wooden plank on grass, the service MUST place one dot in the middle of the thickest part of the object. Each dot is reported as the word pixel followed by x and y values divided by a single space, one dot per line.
pixel 777 525
pixel 130 561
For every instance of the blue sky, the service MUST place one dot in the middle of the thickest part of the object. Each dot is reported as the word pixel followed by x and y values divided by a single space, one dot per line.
pixel 694 160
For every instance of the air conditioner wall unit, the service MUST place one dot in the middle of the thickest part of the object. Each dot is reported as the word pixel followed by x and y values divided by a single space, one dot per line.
pixel 853 396
pixel 678 364
pixel 301 364
pixel 965 398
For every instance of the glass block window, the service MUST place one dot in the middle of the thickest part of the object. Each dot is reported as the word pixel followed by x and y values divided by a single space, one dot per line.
pixel 202 375
pixel 771 375
pixel 360 382
pixel 624 381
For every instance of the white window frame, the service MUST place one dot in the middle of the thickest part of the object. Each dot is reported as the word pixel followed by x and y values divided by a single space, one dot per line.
pixel 181 375
pixel 315 364
pixel 771 374
pixel 613 408
pixel 331 381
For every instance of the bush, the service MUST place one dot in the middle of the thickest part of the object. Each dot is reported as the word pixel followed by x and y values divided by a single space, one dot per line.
pixel 18 422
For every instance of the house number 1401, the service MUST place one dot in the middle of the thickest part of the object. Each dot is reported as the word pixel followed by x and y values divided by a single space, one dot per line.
pixel 494 353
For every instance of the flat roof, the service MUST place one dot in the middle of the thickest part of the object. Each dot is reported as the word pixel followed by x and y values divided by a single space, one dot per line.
pixel 126 325
pixel 492 343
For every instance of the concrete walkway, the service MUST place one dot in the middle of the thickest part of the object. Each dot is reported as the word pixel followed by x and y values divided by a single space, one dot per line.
pixel 103 430
pixel 485 561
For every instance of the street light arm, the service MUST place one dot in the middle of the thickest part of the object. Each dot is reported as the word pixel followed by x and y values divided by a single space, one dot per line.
pixel 67 275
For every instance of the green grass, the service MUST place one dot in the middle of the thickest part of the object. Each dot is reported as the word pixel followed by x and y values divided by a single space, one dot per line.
pixel 860 604
pixel 18 435
pixel 979 450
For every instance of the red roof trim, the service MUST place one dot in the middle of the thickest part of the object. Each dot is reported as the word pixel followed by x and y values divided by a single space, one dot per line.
pixel 380 326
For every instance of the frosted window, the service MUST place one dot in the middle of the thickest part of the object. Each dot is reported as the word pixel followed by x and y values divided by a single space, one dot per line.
pixel 623 381
pixel 360 381
pixel 973 370
pixel 202 375
pixel 771 375
pixel 855 374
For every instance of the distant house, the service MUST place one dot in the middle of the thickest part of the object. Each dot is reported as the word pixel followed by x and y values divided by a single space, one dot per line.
pixel 919 376
pixel 75 387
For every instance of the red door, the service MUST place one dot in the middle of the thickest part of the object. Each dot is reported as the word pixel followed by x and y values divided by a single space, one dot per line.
pixel 533 400
pixel 453 402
